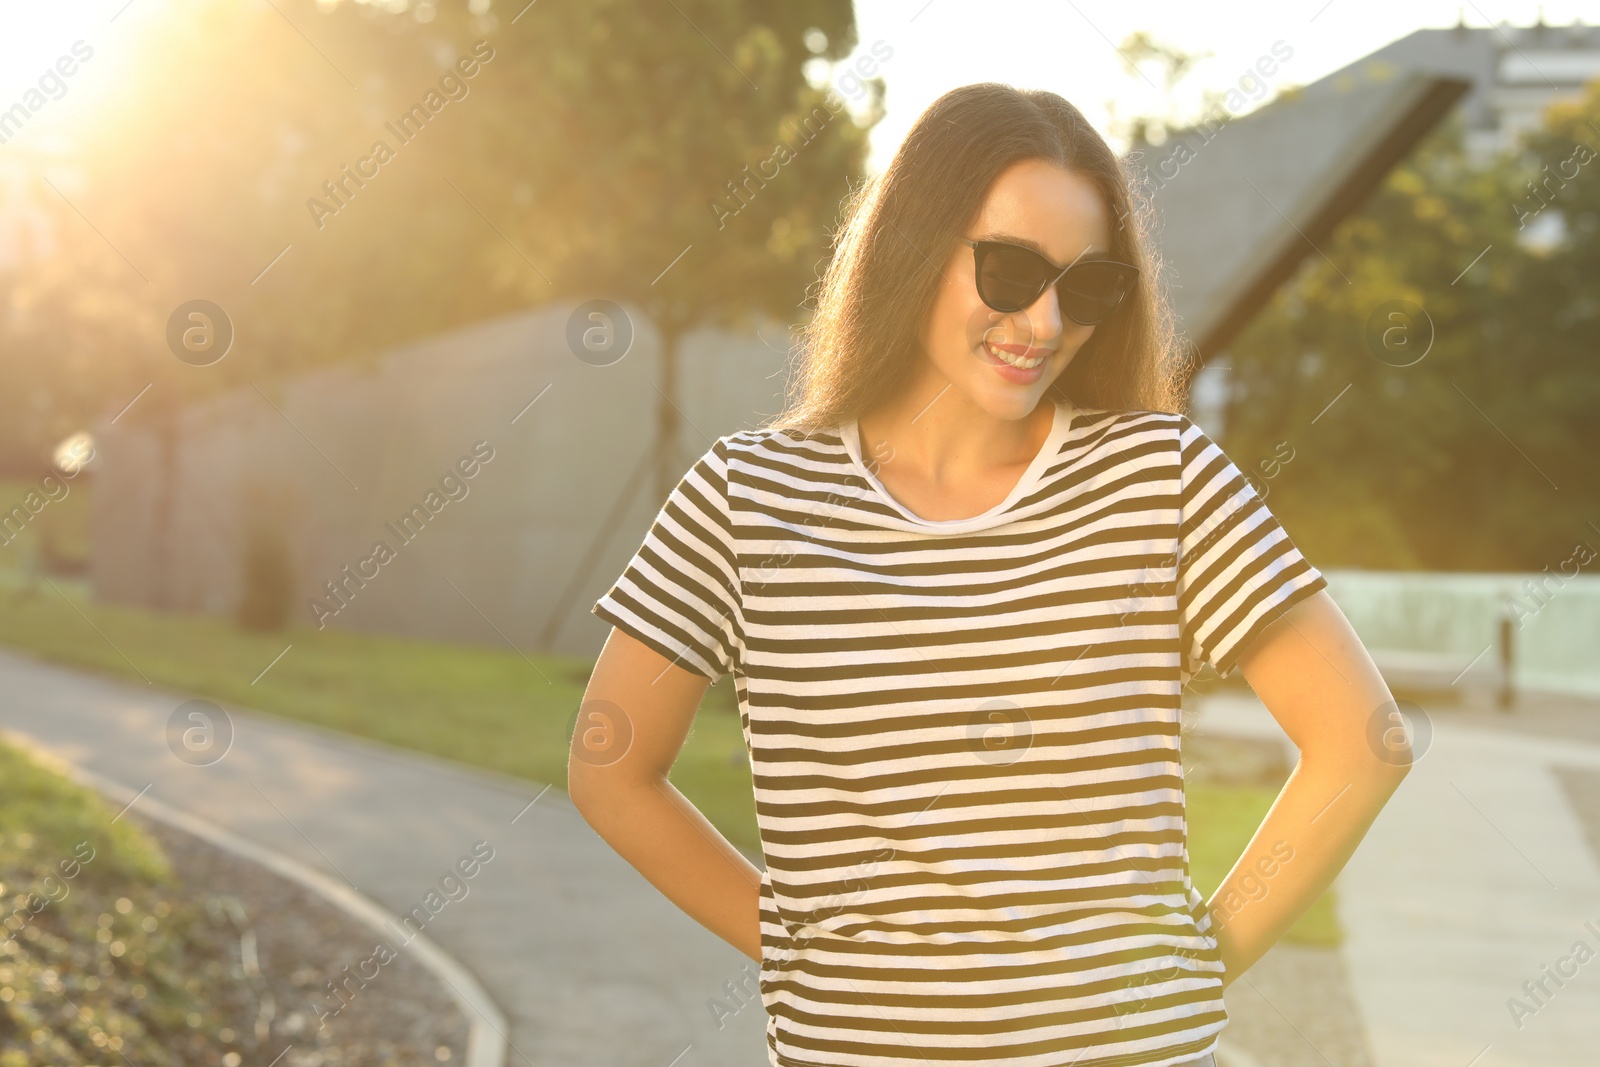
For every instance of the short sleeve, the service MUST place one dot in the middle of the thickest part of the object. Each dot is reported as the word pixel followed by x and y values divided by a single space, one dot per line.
pixel 680 592
pixel 1238 571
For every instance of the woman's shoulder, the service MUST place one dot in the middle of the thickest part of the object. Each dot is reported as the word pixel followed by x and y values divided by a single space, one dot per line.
pixel 776 442
pixel 1132 424
pixel 772 450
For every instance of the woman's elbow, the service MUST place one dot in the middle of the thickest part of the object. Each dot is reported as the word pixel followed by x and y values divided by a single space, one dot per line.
pixel 1379 760
pixel 596 790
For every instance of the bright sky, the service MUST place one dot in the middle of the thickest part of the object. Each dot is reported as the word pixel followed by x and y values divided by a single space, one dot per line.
pixel 1063 45
pixel 35 36
pixel 1067 46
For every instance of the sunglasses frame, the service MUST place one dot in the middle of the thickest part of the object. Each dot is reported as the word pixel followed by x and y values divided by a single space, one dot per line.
pixel 979 251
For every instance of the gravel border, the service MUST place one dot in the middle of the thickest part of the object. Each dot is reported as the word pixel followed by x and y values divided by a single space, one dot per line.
pixel 1294 1008
pixel 301 941
pixel 299 930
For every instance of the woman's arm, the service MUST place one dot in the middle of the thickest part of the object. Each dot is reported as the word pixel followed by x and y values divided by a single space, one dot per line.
pixel 630 803
pixel 1311 671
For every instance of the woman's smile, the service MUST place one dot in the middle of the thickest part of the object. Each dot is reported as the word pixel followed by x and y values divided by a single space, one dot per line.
pixel 1022 364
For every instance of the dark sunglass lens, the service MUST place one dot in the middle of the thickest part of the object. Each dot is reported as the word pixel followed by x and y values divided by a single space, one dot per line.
pixel 1012 278
pixel 1090 291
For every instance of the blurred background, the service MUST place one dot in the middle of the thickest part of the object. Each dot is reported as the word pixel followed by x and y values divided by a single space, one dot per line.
pixel 347 350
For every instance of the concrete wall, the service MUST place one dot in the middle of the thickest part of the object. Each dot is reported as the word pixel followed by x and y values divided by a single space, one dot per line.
pixel 338 457
pixel 334 459
pixel 1440 624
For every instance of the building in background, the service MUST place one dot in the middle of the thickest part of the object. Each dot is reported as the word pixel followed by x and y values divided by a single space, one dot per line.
pixel 1511 74
pixel 1515 73
pixel 508 480
pixel 320 471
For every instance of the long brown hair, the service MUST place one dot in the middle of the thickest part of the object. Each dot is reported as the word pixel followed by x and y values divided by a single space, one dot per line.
pixel 862 343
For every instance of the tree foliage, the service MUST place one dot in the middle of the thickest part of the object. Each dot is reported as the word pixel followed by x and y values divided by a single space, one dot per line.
pixel 1480 455
pixel 582 159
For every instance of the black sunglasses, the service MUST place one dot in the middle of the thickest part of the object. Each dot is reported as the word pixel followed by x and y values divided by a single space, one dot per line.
pixel 1011 277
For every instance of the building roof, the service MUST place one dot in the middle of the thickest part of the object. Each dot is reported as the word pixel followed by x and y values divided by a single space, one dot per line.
pixel 1242 201
pixel 1553 58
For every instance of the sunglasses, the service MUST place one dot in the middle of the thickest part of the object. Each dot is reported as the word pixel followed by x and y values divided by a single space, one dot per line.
pixel 1011 277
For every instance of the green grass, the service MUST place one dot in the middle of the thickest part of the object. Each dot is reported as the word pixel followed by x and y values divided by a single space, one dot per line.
pixel 1222 819
pixel 43 814
pixel 482 706
pixel 64 523
pixel 478 705
pixel 97 962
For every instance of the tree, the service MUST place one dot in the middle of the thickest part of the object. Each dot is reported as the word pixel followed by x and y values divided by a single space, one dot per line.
pixel 1477 455
pixel 1141 49
pixel 700 169
pixel 582 159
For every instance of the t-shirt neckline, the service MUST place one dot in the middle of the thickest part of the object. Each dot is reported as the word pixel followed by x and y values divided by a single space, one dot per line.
pixel 1060 425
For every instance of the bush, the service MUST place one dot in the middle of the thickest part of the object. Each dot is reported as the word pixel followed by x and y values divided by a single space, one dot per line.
pixel 268 581
pixel 266 566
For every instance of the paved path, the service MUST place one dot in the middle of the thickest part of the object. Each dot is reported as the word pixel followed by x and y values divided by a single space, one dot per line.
pixel 588 961
pixel 1475 877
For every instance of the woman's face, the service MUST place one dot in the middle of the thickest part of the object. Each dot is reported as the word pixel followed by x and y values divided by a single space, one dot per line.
pixel 1062 215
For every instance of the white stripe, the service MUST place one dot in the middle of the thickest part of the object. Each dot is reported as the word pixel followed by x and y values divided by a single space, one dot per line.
pixel 965 744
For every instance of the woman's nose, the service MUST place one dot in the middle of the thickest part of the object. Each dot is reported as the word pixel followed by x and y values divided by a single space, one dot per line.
pixel 1044 318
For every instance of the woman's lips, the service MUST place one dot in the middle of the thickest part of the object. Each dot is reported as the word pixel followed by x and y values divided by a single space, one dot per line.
pixel 1007 367
pixel 1022 351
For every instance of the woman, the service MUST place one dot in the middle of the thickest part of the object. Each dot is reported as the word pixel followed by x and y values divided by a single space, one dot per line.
pixel 961 585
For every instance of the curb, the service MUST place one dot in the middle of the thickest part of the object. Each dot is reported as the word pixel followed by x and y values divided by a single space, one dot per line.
pixel 486 1038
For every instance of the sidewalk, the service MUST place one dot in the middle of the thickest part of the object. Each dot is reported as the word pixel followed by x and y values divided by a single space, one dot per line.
pixel 588 961
pixel 1475 877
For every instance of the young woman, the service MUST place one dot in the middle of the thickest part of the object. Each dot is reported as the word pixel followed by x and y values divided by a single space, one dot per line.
pixel 960 585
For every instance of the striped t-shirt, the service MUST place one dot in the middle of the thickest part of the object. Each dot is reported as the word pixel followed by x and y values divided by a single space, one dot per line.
pixel 964 734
